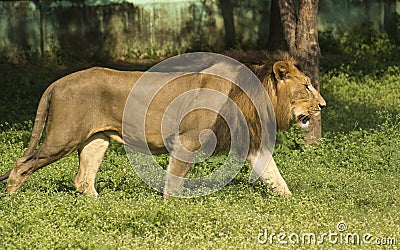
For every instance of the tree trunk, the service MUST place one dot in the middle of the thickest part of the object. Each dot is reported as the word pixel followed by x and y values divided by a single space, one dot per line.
pixel 276 40
pixel 368 8
pixel 288 11
pixel 390 24
pixel 308 52
pixel 40 10
pixel 229 23
pixel 301 35
pixel 42 29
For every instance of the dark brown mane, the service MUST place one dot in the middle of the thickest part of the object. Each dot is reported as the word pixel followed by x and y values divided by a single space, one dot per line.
pixel 261 62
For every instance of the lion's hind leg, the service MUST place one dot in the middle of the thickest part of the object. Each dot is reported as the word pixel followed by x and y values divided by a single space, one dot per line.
pixel 32 160
pixel 91 155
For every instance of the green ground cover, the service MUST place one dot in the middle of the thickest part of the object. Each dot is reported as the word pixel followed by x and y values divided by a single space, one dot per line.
pixel 345 189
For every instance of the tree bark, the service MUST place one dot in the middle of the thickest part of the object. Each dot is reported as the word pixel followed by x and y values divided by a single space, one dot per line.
pixel 308 52
pixel 288 11
pixel 39 7
pixel 368 8
pixel 263 28
pixel 299 23
pixel 389 22
pixel 229 23
pixel 276 40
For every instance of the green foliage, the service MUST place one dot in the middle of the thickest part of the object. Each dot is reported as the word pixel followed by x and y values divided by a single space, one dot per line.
pixel 21 88
pixel 354 102
pixel 359 51
pixel 289 140
pixel 199 42
pixel 149 53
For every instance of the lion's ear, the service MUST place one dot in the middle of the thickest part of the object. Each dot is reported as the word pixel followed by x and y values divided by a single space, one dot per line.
pixel 281 70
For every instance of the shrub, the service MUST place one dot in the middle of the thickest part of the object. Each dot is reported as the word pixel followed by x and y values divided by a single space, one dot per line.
pixel 359 51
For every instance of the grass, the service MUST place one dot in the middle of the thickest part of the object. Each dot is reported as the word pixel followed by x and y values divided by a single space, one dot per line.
pixel 351 177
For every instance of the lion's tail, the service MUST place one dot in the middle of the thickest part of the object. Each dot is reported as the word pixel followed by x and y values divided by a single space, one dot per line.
pixel 40 121
pixel 5 176
pixel 38 127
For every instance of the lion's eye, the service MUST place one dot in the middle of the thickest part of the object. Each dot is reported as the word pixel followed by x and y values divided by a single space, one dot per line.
pixel 307 87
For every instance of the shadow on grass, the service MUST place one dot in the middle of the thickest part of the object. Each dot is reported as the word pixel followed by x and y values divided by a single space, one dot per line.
pixel 341 116
pixel 22 86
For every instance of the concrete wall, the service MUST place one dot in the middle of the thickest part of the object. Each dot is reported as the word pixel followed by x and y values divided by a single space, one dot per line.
pixel 117 29
pixel 341 15
pixel 125 29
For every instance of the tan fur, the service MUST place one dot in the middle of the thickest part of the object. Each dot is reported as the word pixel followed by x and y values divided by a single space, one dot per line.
pixel 85 109
pixel 289 96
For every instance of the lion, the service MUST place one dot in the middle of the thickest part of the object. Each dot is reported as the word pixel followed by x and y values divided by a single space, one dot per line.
pixel 84 110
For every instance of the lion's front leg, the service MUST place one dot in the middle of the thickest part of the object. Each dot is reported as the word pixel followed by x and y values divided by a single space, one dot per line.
pixel 264 166
pixel 91 154
pixel 176 173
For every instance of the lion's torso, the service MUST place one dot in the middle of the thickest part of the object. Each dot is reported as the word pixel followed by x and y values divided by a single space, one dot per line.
pixel 96 100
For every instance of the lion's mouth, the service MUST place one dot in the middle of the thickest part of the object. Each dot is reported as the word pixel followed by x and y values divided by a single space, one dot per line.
pixel 303 121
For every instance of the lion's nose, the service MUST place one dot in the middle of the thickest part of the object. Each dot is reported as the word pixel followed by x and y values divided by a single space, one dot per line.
pixel 322 105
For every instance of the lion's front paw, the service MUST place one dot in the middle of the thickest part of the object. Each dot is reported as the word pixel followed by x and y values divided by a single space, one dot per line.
pixel 282 191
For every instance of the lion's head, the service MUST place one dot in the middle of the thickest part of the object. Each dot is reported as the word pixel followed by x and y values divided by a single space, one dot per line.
pixel 290 90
